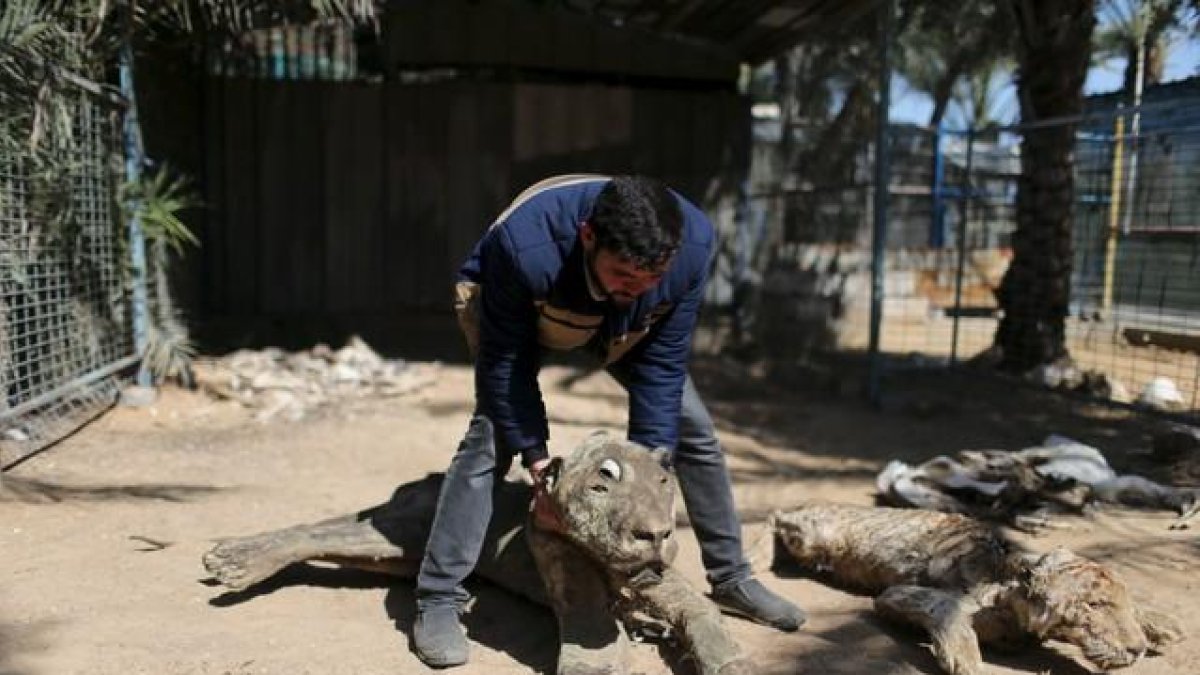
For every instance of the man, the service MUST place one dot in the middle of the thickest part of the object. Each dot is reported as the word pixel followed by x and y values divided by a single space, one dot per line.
pixel 616 266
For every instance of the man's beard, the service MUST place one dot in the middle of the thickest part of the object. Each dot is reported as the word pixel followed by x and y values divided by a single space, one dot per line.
pixel 620 300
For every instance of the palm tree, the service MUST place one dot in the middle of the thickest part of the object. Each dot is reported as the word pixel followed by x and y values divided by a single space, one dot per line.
pixel 983 99
pixel 1140 31
pixel 1054 48
pixel 50 51
pixel 946 43
pixel 50 48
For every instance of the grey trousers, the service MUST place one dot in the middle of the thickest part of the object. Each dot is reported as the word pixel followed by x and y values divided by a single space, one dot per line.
pixel 465 504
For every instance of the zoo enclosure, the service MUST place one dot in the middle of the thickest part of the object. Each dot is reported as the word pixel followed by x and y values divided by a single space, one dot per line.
pixel 65 311
pixel 1134 313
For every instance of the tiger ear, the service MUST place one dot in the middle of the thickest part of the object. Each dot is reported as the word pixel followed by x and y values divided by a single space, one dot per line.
pixel 547 478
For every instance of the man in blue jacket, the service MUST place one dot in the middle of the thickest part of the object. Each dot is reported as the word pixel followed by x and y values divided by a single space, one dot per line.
pixel 616 266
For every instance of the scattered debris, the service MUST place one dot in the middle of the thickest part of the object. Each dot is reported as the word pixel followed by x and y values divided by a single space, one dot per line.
pixel 1060 374
pixel 289 386
pixel 150 545
pixel 1065 375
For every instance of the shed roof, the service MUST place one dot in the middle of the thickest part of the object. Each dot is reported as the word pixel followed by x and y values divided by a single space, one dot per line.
pixel 755 30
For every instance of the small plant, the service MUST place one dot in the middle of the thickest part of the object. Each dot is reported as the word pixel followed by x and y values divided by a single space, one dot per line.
pixel 157 199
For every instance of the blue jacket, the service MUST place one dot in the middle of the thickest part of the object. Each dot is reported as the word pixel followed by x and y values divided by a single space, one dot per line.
pixel 534 294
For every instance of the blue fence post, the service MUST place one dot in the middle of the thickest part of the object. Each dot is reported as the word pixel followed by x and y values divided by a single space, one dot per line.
pixel 134 158
pixel 937 213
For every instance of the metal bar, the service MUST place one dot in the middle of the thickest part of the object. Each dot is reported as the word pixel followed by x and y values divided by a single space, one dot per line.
pixel 1114 211
pixel 134 157
pixel 887 20
pixel 937 215
pixel 1091 115
pixel 62 390
pixel 964 220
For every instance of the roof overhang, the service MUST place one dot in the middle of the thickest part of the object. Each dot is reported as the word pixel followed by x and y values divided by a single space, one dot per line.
pixel 754 30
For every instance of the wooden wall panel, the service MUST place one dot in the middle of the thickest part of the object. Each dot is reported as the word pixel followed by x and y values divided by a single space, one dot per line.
pixel 355 263
pixel 240 242
pixel 360 200
pixel 291 181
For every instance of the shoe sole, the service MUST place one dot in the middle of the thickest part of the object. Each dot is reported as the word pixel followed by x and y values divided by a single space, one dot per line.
pixel 439 662
pixel 789 627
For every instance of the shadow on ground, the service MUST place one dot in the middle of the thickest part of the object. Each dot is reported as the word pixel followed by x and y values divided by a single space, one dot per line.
pixel 303 574
pixel 28 490
pixel 823 412
pixel 498 619
pixel 32 638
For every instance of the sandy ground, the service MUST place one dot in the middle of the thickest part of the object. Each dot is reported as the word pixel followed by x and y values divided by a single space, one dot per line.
pixel 108 579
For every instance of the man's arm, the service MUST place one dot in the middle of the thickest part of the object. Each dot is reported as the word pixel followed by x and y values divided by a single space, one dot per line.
pixel 506 386
pixel 657 369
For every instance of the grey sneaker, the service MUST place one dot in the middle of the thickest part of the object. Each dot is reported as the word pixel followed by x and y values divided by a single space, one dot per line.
pixel 751 600
pixel 438 638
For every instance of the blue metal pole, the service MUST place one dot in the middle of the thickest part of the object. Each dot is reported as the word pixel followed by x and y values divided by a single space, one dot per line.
pixel 937 214
pixel 880 204
pixel 134 159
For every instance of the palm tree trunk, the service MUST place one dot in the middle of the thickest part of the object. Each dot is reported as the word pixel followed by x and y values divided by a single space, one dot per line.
pixel 943 91
pixel 1054 49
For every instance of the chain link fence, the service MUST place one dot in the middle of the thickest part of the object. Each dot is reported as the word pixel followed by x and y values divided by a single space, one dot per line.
pixel 64 311
pixel 1132 325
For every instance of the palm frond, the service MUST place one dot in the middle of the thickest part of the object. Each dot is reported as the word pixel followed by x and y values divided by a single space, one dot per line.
pixel 48 47
pixel 240 16
pixel 157 198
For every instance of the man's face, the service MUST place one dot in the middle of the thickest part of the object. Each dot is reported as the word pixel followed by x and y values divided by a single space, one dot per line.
pixel 619 279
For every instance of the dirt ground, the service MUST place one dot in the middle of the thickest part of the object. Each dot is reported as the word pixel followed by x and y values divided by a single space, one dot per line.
pixel 107 578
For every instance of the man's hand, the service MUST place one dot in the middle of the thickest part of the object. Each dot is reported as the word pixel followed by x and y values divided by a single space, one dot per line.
pixel 545 513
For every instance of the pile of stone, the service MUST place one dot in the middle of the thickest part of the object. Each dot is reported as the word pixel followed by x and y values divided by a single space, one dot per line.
pixel 281 385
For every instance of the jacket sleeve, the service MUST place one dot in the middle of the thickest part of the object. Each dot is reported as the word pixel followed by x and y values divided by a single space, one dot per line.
pixel 657 369
pixel 506 386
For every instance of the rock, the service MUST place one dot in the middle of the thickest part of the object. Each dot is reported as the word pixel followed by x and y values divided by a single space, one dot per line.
pixel 1119 393
pixel 1050 375
pixel 1161 394
pixel 16 434
pixel 136 396
pixel 358 354
pixel 345 373
pixel 282 404
pixel 1095 384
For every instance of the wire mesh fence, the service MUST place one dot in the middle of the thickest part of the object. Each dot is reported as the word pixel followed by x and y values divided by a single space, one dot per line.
pixel 1127 271
pixel 64 312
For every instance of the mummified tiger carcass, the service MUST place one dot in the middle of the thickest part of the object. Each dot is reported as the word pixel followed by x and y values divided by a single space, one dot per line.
pixel 1021 488
pixel 964 583
pixel 608 492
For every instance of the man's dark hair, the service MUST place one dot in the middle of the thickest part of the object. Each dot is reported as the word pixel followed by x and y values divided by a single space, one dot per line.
pixel 638 219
